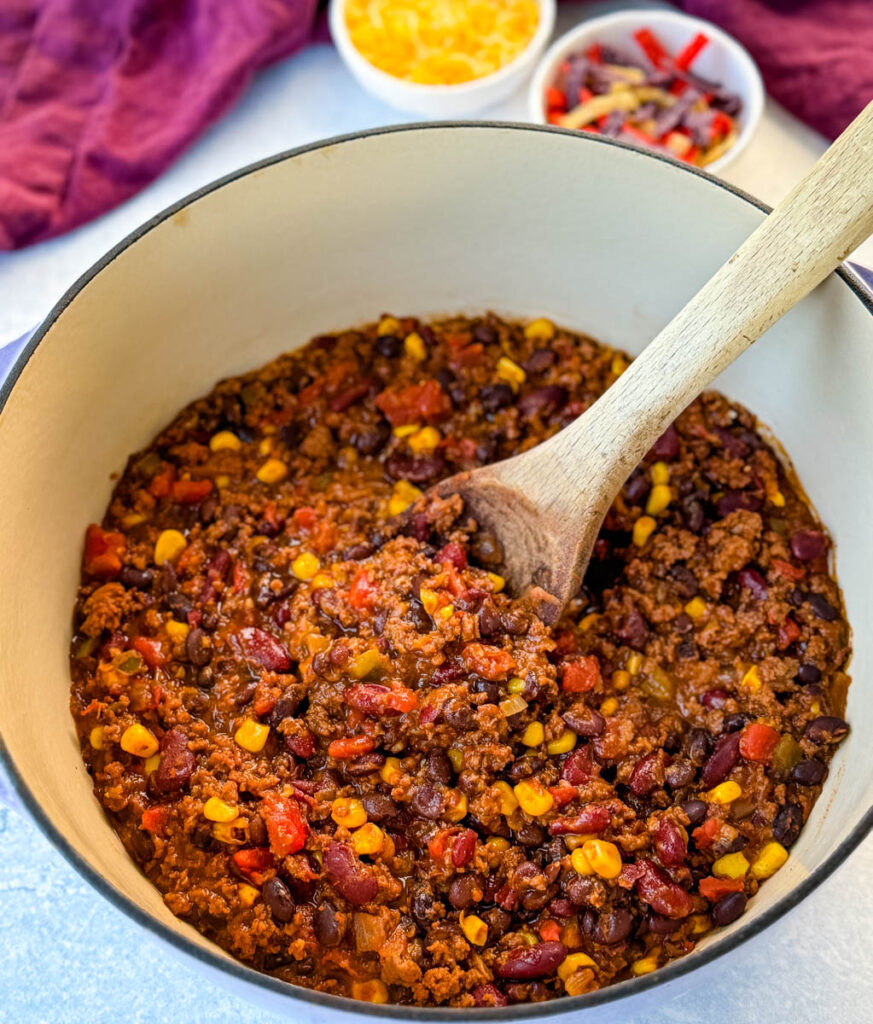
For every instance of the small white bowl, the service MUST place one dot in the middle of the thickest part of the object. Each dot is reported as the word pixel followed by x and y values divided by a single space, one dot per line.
pixel 723 60
pixel 442 101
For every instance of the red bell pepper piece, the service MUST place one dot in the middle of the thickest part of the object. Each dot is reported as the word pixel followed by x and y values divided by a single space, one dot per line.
pixel 686 57
pixel 550 931
pixel 254 863
pixel 594 53
pixel 154 820
pixel 190 492
pixel 555 98
pixel 363 590
pixel 349 747
pixel 151 651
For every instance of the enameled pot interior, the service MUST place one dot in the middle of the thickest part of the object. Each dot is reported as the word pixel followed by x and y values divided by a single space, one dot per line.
pixel 426 220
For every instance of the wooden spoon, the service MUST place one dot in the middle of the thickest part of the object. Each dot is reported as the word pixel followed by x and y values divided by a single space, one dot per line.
pixel 546 506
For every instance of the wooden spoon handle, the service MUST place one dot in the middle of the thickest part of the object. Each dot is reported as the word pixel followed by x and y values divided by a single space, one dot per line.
pixel 808 234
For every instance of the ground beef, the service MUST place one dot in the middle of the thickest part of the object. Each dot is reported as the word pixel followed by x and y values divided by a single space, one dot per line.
pixel 340 749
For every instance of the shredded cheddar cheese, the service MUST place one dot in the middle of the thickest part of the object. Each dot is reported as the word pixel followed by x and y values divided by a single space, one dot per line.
pixel 441 42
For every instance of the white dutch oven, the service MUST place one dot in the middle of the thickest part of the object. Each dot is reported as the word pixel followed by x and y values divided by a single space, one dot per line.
pixel 425 220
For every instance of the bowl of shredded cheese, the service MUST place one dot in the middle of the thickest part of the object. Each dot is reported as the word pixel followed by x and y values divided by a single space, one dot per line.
pixel 442 58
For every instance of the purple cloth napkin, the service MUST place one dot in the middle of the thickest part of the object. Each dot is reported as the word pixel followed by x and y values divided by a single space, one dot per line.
pixel 816 56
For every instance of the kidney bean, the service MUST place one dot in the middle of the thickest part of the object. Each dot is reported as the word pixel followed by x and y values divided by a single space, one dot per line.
pixel 545 401
pixel 464 891
pixel 348 876
pixel 463 847
pixel 365 764
pixel 540 359
pixel 489 995
pixel 732 444
pixel 670 844
pixel 734 500
pixel 176 765
pixel 808 673
pixel 822 608
pixel 807 545
pixel 696 811
pixel 722 760
pixel 278 898
pixel 714 700
pixel 754 582
pixel 329 927
pixel 788 823
pixel 427 802
pixel 662 894
pixel 561 907
pixel 300 744
pixel 826 729
pixel 418 469
pixel 495 397
pixel 591 818
pixel 808 773
pixel 264 649
pixel 667 445
pixel 527 962
pixel 637 487
pixel 369 439
pixel 728 908
pixel 579 767
pixel 584 721
pixel 647 774
pixel 613 926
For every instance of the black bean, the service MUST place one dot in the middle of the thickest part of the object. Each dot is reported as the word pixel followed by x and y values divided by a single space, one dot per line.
pixel 418 469
pixel 808 673
pixel 698 746
pixel 495 397
pixel 486 549
pixel 427 802
pixel 822 608
pixel 197 648
pixel 329 929
pixel 206 678
pixel 257 831
pixel 179 605
pixel 540 359
pixel 459 716
pixel 365 764
pixel 686 581
pixel 659 925
pixel 142 845
pixel 142 579
pixel 278 898
pixel 545 401
pixel 696 811
pixel 498 922
pixel 423 908
pixel 788 823
pixel 826 729
pixel 728 908
pixel 634 630
pixel 388 345
pixel 731 723
pixel 438 767
pixel 531 834
pixel 687 649
pixel 796 597
pixel 637 487
pixel 289 434
pixel 368 439
pixel 464 891
pixel 379 806
pixel 808 773
pixel 357 552
pixel 693 514
pixel 613 926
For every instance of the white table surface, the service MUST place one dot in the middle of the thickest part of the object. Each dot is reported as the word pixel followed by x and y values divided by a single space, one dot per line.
pixel 68 956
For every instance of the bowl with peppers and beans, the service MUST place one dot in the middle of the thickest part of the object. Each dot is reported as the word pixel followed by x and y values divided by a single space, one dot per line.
pixel 659 80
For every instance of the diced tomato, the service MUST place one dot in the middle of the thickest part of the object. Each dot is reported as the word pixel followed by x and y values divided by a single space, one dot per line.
pixel 788 632
pixel 263 706
pixel 563 793
pixel 161 483
pixel 103 550
pixel 594 53
pixel 556 98
pixel 789 571
pixel 350 746
pixel 190 492
pixel 254 863
pixel 550 931
pixel 581 675
pixel 305 517
pixel 286 826
pixel 721 125
pixel 154 820
pixel 323 537
pixel 490 663
pixel 454 554
pixel 151 651
pixel 418 403
pixel 438 843
pixel 758 741
pixel 363 591
pixel 713 889
pixel 706 834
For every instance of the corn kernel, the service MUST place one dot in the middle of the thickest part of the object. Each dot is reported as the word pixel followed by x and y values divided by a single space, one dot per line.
pixel 618 365
pixel 604 858
pixel 316 643
pixel 511 372
pixel 430 599
pixel 659 498
pixel 475 930
pixel 368 839
pixel 456 808
pixel 406 430
pixel 247 894
pixel 456 758
pixel 388 325
pixel 447 612
pixel 528 937
pixel 769 860
pixel 634 662
pixel 132 519
pixel 515 685
pixel 700 923
pixel 96 737
pixel 224 440
pixel 391 772
pixel 580 863
pixel 508 801
pixel 272 471
pixel 252 735
pixel 643 529
pixel 216 809
pixel 588 621
pixel 372 991
pixel 151 764
pixel 265 446
pixel 497 581
pixel 574 842
pixel 403 495
pixel 223 480
pixel 696 608
pixel 752 680
pixel 563 744
pixel 169 545
pixel 660 473
pixel 305 565
pixel 575 962
pixel 774 495
pixel 322 580
pixel 177 630
pixel 731 865
pixel 139 741
pixel 540 330
pixel 815 707
pixel 348 812
pixel 645 965
pixel 533 797
pixel 724 793
pixel 366 662
pixel 425 440
pixel 497 843
pixel 533 735
pixel 609 707
pixel 621 679
pixel 413 346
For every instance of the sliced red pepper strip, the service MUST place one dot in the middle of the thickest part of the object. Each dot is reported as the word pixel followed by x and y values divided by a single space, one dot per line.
pixel 651 46
pixel 685 58
pixel 350 746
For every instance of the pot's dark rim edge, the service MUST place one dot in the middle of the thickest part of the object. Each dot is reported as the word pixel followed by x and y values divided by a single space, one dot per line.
pixel 670 972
